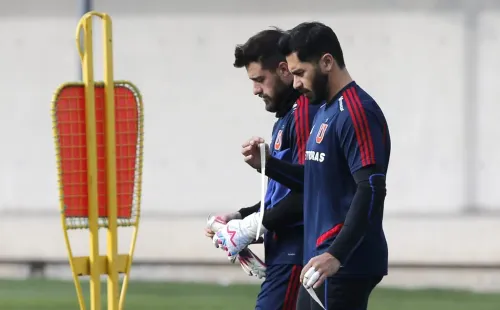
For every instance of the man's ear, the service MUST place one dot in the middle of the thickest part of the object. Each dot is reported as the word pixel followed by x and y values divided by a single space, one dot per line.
pixel 326 63
pixel 282 70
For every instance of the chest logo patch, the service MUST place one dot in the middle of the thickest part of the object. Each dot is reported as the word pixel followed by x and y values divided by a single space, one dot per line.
pixel 278 141
pixel 321 133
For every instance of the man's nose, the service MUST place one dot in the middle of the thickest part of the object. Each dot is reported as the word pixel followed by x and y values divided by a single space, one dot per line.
pixel 297 84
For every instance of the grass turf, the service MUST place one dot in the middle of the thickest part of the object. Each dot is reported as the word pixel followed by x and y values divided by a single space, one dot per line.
pixel 59 295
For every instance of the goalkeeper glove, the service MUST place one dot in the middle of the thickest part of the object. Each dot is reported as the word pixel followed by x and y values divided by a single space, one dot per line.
pixel 251 264
pixel 237 234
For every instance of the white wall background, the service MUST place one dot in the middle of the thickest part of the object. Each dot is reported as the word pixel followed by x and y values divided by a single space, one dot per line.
pixel 199 108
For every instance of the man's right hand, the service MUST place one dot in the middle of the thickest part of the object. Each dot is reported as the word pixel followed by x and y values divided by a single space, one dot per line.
pixel 251 263
pixel 223 218
pixel 251 152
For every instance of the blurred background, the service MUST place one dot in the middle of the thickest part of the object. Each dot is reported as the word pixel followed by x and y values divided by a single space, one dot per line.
pixel 432 65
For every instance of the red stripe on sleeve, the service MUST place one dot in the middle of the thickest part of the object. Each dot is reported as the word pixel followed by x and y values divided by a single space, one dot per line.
pixel 307 128
pixel 301 127
pixel 329 234
pixel 304 127
pixel 360 137
pixel 366 128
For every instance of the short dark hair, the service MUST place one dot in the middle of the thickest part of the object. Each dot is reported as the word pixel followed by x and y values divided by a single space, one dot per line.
pixel 311 40
pixel 261 48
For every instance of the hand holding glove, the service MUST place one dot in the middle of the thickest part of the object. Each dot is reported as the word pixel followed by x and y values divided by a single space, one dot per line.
pixel 238 234
pixel 251 264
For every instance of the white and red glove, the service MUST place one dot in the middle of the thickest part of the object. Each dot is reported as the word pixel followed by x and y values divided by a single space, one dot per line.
pixel 249 261
pixel 237 234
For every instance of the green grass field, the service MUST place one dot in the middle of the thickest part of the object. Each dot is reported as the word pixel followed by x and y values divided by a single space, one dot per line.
pixel 57 295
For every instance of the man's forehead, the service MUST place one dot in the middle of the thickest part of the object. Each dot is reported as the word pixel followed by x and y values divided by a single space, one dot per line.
pixel 254 70
pixel 292 59
pixel 293 62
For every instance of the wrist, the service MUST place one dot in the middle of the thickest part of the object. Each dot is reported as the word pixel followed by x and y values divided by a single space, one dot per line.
pixel 269 161
pixel 233 216
pixel 269 157
pixel 335 253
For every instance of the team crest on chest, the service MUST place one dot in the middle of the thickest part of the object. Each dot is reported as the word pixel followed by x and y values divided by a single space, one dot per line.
pixel 321 133
pixel 279 138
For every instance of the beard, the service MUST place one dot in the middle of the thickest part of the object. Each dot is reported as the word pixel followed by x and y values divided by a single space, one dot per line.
pixel 281 92
pixel 319 91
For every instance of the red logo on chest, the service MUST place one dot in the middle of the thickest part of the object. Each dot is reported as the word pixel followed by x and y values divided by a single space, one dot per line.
pixel 279 138
pixel 321 133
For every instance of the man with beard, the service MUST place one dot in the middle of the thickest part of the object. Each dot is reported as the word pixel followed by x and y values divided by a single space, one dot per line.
pixel 343 178
pixel 283 217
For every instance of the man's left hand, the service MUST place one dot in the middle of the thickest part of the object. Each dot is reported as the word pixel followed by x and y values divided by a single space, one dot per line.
pixel 318 269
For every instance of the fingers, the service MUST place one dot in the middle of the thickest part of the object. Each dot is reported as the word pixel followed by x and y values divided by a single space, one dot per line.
pixel 314 273
pixel 246 151
pixel 214 223
pixel 209 233
pixel 217 242
pixel 251 152
pixel 252 141
pixel 306 273
pixel 320 281
pixel 311 275
pixel 304 270
pixel 310 279
pixel 255 141
pixel 251 146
